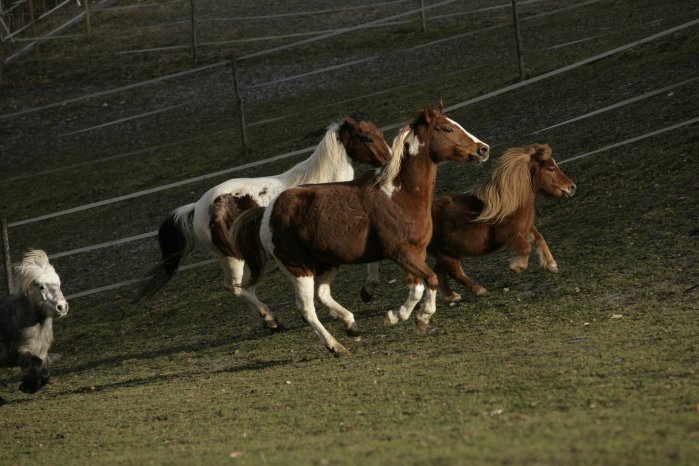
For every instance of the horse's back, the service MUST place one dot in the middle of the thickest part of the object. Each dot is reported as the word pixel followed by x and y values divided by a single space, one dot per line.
pixel 455 231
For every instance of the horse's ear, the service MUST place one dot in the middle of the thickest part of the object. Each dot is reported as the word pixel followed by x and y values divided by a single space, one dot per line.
pixel 350 121
pixel 540 152
pixel 427 113
pixel 440 106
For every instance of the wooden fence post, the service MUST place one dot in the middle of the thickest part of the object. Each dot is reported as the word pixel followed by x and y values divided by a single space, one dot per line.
pixel 194 31
pixel 32 19
pixel 520 61
pixel 422 15
pixel 6 256
pixel 86 10
pixel 241 110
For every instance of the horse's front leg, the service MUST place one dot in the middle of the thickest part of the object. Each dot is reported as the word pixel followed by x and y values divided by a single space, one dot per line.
pixel 322 284
pixel 545 257
pixel 412 260
pixel 235 273
pixel 416 289
pixel 521 244
pixel 371 282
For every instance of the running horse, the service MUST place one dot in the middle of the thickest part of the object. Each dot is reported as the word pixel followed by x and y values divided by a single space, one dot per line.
pixel 26 319
pixel 497 214
pixel 209 219
pixel 311 230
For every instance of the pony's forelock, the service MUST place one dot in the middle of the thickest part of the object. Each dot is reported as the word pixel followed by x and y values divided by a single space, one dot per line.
pixel 34 267
pixel 509 186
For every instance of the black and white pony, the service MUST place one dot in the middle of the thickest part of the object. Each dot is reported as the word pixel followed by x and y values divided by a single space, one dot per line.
pixel 26 319
pixel 208 221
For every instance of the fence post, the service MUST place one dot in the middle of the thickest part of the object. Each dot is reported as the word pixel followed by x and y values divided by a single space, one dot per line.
pixel 86 10
pixel 422 15
pixel 520 61
pixel 6 256
pixel 241 110
pixel 30 8
pixel 194 31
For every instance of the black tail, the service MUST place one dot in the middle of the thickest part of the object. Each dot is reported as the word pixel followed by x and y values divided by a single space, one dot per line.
pixel 245 233
pixel 176 238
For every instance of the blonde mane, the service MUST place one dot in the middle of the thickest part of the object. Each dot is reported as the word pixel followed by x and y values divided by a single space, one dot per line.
pixel 34 266
pixel 390 171
pixel 509 187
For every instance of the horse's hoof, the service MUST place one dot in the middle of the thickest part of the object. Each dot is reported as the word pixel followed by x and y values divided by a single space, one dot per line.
pixel 366 296
pixel 278 329
pixel 339 351
pixel 481 291
pixel 553 268
pixel 422 326
pixel 452 298
pixel 391 318
pixel 352 332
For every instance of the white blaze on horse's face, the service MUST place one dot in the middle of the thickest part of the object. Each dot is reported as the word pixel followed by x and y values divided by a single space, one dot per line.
pixel 46 290
pixel 484 151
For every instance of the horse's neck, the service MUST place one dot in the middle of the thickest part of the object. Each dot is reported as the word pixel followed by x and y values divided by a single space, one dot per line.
pixel 328 163
pixel 417 178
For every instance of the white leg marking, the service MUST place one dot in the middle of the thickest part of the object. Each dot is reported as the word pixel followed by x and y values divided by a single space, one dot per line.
pixel 414 295
pixel 428 308
pixel 304 301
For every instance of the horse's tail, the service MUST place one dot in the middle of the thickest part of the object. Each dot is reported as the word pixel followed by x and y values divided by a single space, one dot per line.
pixel 245 233
pixel 176 238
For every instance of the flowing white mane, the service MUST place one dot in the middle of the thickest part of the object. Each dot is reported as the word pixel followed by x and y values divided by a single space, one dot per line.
pixel 329 162
pixel 34 267
pixel 388 173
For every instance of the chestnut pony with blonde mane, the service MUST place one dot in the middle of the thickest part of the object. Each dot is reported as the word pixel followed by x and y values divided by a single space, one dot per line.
pixel 498 213
pixel 311 230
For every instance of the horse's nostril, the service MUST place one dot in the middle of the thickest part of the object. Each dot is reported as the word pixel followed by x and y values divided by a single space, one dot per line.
pixel 483 150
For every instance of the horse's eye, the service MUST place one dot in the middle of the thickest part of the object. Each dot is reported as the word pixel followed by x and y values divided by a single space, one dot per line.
pixel 552 168
pixel 446 129
pixel 41 287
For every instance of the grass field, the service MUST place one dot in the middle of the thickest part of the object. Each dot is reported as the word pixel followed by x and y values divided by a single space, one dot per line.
pixel 594 365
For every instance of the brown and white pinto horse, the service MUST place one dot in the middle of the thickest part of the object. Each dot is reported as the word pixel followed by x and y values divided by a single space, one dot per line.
pixel 208 220
pixel 311 230
pixel 497 214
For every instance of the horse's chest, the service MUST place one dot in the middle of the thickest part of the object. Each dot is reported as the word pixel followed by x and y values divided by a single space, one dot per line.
pixel 36 340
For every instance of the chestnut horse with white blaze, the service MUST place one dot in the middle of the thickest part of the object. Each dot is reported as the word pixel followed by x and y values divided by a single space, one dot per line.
pixel 209 220
pixel 497 214
pixel 311 230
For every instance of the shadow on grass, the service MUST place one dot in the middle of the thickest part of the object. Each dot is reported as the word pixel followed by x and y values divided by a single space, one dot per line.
pixel 233 368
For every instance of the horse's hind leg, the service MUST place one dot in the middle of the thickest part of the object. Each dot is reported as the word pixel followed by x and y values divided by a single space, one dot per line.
pixel 371 282
pixel 545 257
pixel 322 285
pixel 452 266
pixel 304 301
pixel 235 273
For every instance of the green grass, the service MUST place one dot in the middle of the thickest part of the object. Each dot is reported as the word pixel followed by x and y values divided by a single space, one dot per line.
pixel 594 365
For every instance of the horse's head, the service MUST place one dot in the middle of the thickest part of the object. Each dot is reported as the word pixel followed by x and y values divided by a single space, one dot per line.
pixel 35 373
pixel 38 281
pixel 448 140
pixel 363 141
pixel 549 178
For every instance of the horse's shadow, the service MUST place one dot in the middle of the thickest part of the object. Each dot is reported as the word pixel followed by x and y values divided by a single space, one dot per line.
pixel 187 347
pixel 233 368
